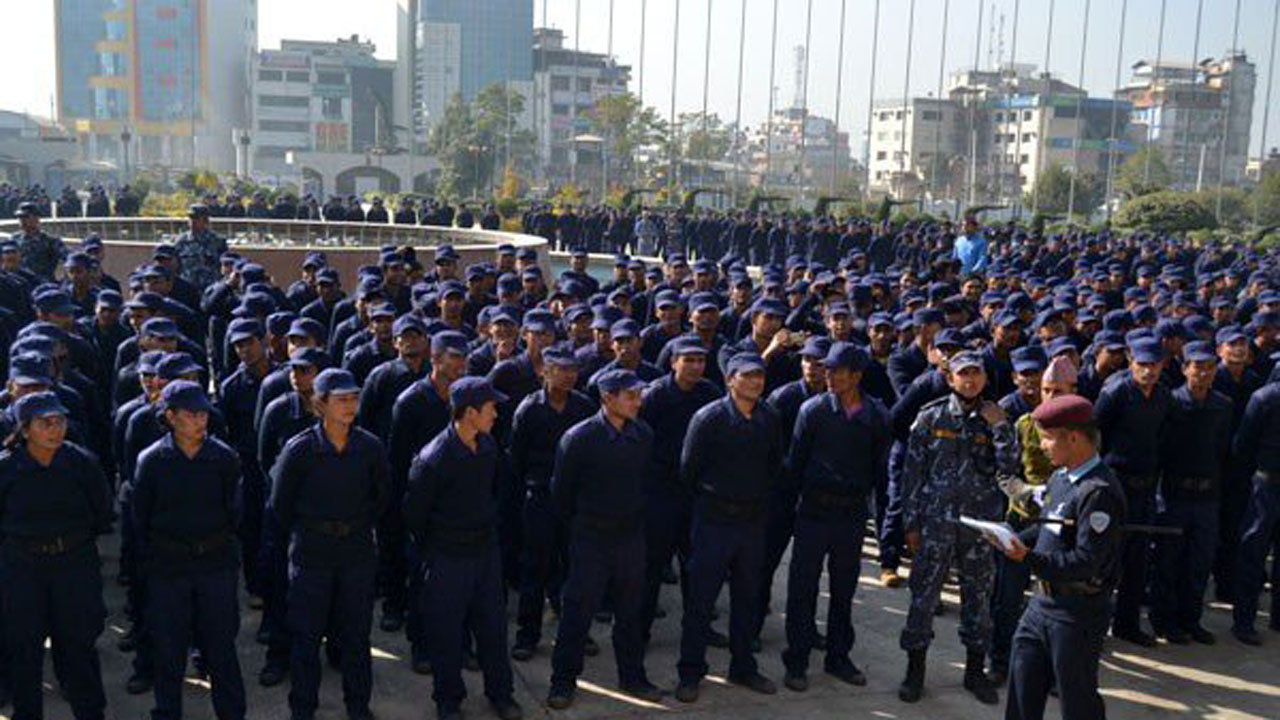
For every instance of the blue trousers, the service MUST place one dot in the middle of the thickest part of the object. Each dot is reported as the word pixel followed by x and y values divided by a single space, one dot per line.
pixel 942 543
pixel 666 536
pixel 1049 649
pixel 252 505
pixel 1237 484
pixel 779 528
pixel 1183 562
pixel 544 559
pixel 461 592
pixel 1261 523
pixel 206 603
pixel 889 530
pixel 594 565
pixel 274 563
pixel 346 592
pixel 838 542
pixel 1135 559
pixel 1007 597
pixel 721 551
pixel 59 598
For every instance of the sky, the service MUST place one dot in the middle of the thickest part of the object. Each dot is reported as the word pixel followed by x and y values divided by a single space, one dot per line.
pixel 1112 35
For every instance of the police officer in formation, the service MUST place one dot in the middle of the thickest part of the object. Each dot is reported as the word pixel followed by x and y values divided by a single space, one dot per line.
pixel 436 443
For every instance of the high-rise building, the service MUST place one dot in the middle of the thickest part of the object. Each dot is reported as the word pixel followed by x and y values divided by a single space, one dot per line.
pixel 1181 109
pixel 452 47
pixel 155 82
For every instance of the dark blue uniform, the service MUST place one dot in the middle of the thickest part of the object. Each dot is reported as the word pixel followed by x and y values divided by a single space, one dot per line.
pixel 327 502
pixel 837 460
pixel 598 488
pixel 51 575
pixel 185 513
pixel 451 512
pixel 1060 636
pixel 729 463
pixel 1237 478
pixel 1258 442
pixel 535 434
pixel 238 397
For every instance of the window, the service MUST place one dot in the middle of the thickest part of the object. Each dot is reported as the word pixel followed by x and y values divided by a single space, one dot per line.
pixel 559 109
pixel 331 108
pixel 1065 112
pixel 284 125
pixel 881 155
pixel 584 84
pixel 270 75
pixel 897 115
pixel 283 101
pixel 999 117
pixel 559 82
pixel 1026 114
pixel 331 78
pixel 930 115
pixel 1025 159
pixel 299 76
pixel 1026 137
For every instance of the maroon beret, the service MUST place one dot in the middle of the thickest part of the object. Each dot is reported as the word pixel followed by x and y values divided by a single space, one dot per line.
pixel 1062 411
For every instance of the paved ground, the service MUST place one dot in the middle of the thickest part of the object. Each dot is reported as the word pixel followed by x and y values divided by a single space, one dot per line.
pixel 1224 681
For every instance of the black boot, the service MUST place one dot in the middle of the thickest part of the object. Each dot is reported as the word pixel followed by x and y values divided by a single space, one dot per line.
pixel 913 684
pixel 976 680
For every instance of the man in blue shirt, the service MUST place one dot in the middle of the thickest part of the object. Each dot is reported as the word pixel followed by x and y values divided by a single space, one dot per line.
pixel 971 248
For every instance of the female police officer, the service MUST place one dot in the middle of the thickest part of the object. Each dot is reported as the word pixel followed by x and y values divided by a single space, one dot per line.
pixel 53 503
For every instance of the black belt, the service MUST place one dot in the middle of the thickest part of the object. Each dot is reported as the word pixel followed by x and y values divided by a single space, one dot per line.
pixel 332 528
pixel 52 545
pixel 835 500
pixel 613 525
pixel 732 510
pixel 1068 588
pixel 1192 484
pixel 193 548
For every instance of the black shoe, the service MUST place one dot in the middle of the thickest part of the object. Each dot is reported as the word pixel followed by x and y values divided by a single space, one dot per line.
pixel 643 690
pixel 449 714
pixel 1135 636
pixel 1248 636
pixel 796 682
pixel 848 673
pixel 1200 635
pixel 421 666
pixel 1177 637
pixel 263 636
pixel 507 709
pixel 272 675
pixel 363 713
pixel 392 621
pixel 560 698
pixel 669 576
pixel 138 685
pixel 128 642
pixel 912 687
pixel 756 682
pixel 469 662
pixel 756 645
pixel 819 641
pixel 976 680
pixel 659 613
pixel 687 691
pixel 998 674
pixel 522 653
pixel 604 616
pixel 590 648
pixel 717 639
pixel 333 654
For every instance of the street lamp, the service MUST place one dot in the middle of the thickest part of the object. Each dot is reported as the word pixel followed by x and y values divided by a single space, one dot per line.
pixel 125 137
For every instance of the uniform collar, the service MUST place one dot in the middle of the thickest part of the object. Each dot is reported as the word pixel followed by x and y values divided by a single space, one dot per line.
pixel 1078 472
pixel 628 431
pixel 956 409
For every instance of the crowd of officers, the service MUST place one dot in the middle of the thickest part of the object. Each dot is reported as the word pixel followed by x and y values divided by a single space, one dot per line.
pixel 441 436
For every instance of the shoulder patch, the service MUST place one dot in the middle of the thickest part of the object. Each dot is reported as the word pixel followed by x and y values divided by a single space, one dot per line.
pixel 1099 521
pixel 944 434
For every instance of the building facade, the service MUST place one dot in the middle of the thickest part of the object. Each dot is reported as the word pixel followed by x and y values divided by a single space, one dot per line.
pixel 155 82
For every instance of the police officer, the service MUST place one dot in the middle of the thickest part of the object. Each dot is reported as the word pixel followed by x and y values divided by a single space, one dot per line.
pixel 53 505
pixel 1257 442
pixel 838 454
pixel 957 447
pixel 1076 556
pixel 541 420
pixel 199 249
pixel 451 511
pixel 731 457
pixel 40 253
pixel 598 489
pixel 184 509
pixel 329 486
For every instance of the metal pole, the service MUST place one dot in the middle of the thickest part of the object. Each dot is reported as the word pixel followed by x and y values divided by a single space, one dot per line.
pixel 1017 147
pixel 768 136
pixel 942 70
pixel 906 99
pixel 871 97
pixel 835 145
pixel 804 95
pixel 737 118
pixel 604 148
pixel 644 15
pixel 1040 113
pixel 573 94
pixel 1115 108
pixel 1226 117
pixel 1151 120
pixel 1075 149
pixel 706 78
pixel 1266 109
pixel 973 111
pixel 674 130
pixel 539 129
pixel 1195 75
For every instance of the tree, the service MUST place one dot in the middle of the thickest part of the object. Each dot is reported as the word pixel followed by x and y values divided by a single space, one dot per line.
pixel 1052 192
pixel 1167 212
pixel 1264 201
pixel 471 140
pixel 627 127
pixel 1142 173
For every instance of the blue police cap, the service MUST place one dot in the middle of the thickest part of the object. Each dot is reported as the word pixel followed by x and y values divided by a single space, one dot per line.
pixel 175 365
pixel 1170 328
pixel 964 360
pixel 815 346
pixel 1109 340
pixel 626 328
pixel 880 319
pixel 615 381
pixel 745 362
pixel 948 337
pixel 243 329
pixel 408 323
pixel 56 302
pixel 473 392
pixel 560 355
pixel 148 361
pixel 1230 334
pixel 82 260
pixel 927 316
pixel 110 299
pixel 539 321
pixel 605 317
pixel 279 323
pixel 160 327
pixel 446 253
pixel 846 355
pixel 687 345
pixel 251 273
pixel 29 368
pixel 146 300
pixel 35 405
pixel 184 395
pixel 309 357
pixel 385 311
pixel 449 341
pixel 1146 350
pixel 307 327
pixel 769 306
pixel 335 381
pixel 666 298
pixel 572 313
pixel 508 284
pixel 1061 345
pixel 1199 351
pixel 1028 359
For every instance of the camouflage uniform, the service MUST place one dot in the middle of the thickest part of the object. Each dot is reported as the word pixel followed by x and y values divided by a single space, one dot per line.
pixel 953 459
pixel 199 256
pixel 41 253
